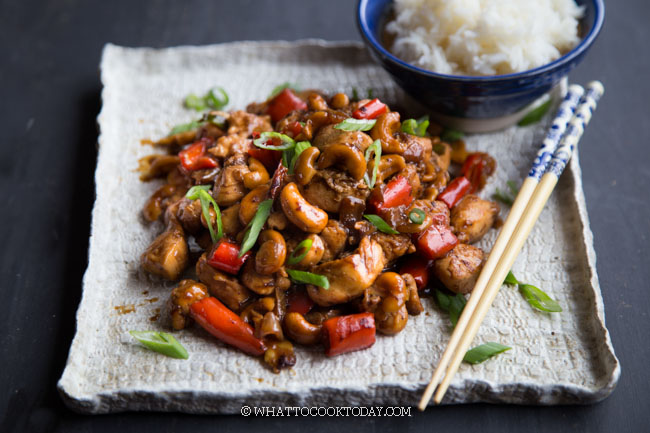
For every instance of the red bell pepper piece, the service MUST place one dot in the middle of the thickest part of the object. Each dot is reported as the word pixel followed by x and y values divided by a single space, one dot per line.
pixel 225 256
pixel 396 193
pixel 293 129
pixel 436 241
pixel 418 267
pixel 476 168
pixel 300 302
pixel 194 157
pixel 456 189
pixel 284 103
pixel 370 110
pixel 228 327
pixel 345 334
pixel 270 158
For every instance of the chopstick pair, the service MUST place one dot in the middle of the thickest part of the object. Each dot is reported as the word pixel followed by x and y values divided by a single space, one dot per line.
pixel 552 157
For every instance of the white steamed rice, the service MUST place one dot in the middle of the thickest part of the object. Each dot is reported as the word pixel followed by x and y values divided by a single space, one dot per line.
pixel 483 37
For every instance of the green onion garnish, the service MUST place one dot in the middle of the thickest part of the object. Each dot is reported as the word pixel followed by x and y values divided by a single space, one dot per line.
pixel 352 124
pixel 453 305
pixel 484 352
pixel 287 142
pixel 505 197
pixel 277 89
pixel 209 100
pixel 201 192
pixel 417 216
pixel 536 114
pixel 539 299
pixel 161 342
pixel 536 297
pixel 381 225
pixel 375 148
pixel 370 93
pixel 308 278
pixel 255 226
pixel 416 127
pixel 451 135
pixel 216 119
pixel 297 150
pixel 355 94
pixel 191 126
pixel 303 246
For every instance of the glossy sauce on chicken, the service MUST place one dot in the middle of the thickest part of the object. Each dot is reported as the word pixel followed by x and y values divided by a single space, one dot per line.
pixel 320 220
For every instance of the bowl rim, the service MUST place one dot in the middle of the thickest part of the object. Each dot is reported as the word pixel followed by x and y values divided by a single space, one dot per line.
pixel 583 45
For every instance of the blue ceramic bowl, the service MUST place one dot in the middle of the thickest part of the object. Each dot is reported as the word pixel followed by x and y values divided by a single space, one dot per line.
pixel 475 103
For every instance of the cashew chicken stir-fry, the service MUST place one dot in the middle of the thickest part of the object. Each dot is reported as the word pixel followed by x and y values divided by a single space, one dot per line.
pixel 312 220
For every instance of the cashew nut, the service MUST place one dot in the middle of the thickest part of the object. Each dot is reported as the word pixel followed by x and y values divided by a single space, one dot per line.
pixel 347 156
pixel 271 254
pixel 251 202
pixel 387 125
pixel 300 330
pixel 257 175
pixel 315 253
pixel 305 216
pixel 316 102
pixel 182 297
pixel 388 166
pixel 340 100
pixel 386 298
pixel 304 167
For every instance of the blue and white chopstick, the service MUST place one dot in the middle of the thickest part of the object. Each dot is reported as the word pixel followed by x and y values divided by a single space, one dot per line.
pixel 556 149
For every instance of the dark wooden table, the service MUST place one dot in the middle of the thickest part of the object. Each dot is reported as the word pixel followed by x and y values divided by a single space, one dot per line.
pixel 50 97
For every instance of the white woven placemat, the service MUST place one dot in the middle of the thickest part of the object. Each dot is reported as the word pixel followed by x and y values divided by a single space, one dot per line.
pixel 555 358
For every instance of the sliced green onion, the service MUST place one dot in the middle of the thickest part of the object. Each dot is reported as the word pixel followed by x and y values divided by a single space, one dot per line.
pixel 352 124
pixel 417 216
pixel 453 305
pixel 209 100
pixel 277 89
pixel 510 279
pixel 381 225
pixel 451 135
pixel 512 186
pixel 255 226
pixel 308 278
pixel 375 148
pixel 503 197
pixel 161 342
pixel 191 126
pixel 300 147
pixel 201 192
pixel 195 102
pixel 287 142
pixel 303 246
pixel 416 127
pixel 536 114
pixel 370 93
pixel 484 352
pixel 214 101
pixel 539 299
pixel 355 94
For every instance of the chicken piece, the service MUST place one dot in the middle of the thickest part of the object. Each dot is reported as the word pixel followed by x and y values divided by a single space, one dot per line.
pixel 222 286
pixel 229 145
pixel 417 149
pixel 349 276
pixel 472 217
pixel 229 188
pixel 394 246
pixel 460 268
pixel 182 297
pixel 386 299
pixel 334 235
pixel 329 135
pixel 189 215
pixel 329 187
pixel 413 303
pixel 241 122
pixel 168 254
